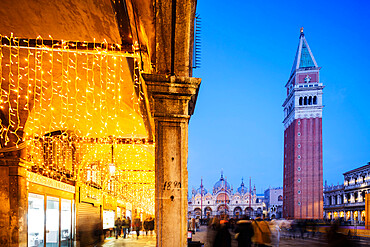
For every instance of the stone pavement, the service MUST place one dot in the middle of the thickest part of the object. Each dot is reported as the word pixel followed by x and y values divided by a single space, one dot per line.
pixel 130 241
pixel 206 237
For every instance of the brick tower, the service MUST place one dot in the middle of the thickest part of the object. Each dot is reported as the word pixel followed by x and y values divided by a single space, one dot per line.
pixel 303 174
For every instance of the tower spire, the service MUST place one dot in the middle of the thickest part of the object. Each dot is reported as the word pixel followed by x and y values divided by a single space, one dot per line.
pixel 304 58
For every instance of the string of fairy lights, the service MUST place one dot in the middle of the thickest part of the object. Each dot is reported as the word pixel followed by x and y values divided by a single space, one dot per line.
pixel 77 106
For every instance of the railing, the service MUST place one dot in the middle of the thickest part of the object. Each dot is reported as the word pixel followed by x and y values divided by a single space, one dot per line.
pixel 363 184
pixel 334 187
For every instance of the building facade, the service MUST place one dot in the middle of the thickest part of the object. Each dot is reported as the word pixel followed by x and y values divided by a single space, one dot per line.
pixel 303 172
pixel 347 201
pixel 95 102
pixel 222 200
pixel 274 202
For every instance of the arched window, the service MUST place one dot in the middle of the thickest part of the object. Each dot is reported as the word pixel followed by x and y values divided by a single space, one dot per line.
pixel 280 198
pixel 310 100
pixel 305 100
pixel 300 100
pixel 314 100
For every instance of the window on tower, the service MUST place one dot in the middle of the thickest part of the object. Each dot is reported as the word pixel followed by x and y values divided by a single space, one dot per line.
pixel 300 101
pixel 314 100
pixel 305 100
pixel 310 100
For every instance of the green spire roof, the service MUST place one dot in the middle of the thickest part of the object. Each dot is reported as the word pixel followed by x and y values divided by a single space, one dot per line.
pixel 304 57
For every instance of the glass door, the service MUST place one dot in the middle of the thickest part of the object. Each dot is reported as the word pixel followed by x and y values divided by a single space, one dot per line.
pixel 65 223
pixel 52 222
pixel 36 220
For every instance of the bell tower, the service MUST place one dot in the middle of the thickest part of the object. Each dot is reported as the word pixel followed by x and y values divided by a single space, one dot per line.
pixel 303 163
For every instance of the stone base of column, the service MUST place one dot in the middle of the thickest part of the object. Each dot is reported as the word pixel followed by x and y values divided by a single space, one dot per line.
pixel 13 204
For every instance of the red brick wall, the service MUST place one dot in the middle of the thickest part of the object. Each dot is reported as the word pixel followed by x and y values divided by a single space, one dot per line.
pixel 309 159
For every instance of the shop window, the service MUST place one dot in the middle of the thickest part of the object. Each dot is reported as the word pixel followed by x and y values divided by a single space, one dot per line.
pixel 65 223
pixel 108 219
pixel 36 214
pixel 52 221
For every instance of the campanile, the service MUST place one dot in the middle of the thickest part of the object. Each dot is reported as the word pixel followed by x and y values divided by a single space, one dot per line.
pixel 303 171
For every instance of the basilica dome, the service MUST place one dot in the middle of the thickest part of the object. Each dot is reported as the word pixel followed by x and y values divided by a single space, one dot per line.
pixel 199 189
pixel 242 189
pixel 220 185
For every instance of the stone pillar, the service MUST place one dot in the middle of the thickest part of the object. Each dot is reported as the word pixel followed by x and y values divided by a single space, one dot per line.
pixel 358 216
pixel 169 98
pixel 13 204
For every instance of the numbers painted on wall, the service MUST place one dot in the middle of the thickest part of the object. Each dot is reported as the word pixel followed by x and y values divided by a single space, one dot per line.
pixel 168 185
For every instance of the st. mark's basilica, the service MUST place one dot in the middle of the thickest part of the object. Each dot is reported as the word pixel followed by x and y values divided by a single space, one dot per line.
pixel 222 200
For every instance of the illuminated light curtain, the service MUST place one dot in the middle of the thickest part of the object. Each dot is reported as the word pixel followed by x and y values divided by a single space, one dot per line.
pixel 75 100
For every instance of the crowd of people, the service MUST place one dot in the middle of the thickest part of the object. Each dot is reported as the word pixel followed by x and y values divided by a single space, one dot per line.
pixel 125 226
pixel 259 232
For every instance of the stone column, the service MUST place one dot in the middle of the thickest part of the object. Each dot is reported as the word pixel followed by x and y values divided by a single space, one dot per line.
pixel 13 203
pixel 169 98
pixel 358 216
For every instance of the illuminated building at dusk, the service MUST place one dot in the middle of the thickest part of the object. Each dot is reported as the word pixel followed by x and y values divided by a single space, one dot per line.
pixel 347 201
pixel 223 200
pixel 303 152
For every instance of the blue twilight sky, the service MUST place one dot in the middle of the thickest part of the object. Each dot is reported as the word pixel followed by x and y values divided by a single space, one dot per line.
pixel 248 48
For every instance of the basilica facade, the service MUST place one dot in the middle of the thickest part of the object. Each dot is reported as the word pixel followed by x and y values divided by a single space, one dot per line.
pixel 222 200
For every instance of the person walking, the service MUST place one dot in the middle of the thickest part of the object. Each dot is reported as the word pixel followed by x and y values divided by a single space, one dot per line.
pixel 223 236
pixel 125 226
pixel 151 225
pixel 262 233
pixel 137 227
pixel 118 225
pixel 244 233
pixel 129 226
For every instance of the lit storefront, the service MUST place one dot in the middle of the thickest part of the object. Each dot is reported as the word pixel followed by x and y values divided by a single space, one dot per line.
pixel 51 212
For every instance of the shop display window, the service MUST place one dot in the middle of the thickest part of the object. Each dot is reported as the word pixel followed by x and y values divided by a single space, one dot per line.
pixel 108 219
pixel 52 222
pixel 65 222
pixel 36 214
